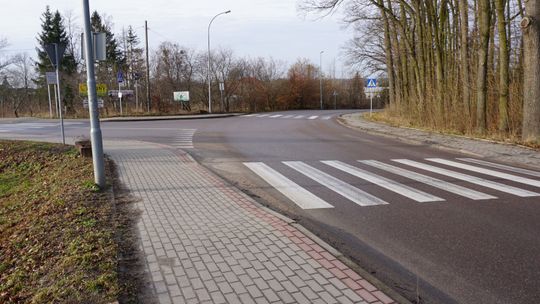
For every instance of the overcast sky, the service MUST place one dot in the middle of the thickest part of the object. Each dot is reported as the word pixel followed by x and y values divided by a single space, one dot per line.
pixel 254 28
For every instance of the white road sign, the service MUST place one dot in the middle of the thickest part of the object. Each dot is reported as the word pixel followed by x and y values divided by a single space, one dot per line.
pixel 181 96
pixel 100 103
pixel 51 77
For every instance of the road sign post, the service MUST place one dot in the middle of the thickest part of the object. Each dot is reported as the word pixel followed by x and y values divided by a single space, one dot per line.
pixel 55 51
pixel 221 89
pixel 371 85
pixel 120 79
pixel 51 80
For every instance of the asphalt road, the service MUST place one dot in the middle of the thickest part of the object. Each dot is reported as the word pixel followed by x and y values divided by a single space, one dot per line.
pixel 454 231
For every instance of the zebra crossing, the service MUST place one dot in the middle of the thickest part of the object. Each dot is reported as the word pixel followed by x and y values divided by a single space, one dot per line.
pixel 431 168
pixel 184 139
pixel 289 116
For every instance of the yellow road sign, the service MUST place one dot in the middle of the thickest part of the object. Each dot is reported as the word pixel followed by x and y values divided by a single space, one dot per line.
pixel 101 89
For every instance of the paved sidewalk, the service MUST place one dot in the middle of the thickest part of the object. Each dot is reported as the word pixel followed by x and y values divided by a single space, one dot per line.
pixel 206 242
pixel 482 148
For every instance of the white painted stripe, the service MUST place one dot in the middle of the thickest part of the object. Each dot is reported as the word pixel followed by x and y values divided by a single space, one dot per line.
pixel 313 117
pixel 515 178
pixel 354 194
pixel 428 180
pixel 327 117
pixel 249 115
pixel 468 178
pixel 288 116
pixel 386 183
pixel 299 116
pixel 300 196
pixel 276 116
pixel 503 167
pixel 263 115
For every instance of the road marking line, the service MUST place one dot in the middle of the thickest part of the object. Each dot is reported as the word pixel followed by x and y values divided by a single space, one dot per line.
pixel 354 194
pixel 263 115
pixel 499 166
pixel 327 117
pixel 249 115
pixel 276 116
pixel 471 179
pixel 299 116
pixel 511 177
pixel 431 181
pixel 288 116
pixel 313 117
pixel 386 183
pixel 300 196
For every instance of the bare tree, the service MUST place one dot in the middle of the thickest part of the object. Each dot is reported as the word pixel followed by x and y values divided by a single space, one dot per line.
pixel 4 60
pixel 20 74
pixel 531 39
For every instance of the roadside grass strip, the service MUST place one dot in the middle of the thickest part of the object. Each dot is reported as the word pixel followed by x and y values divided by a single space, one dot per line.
pixel 57 230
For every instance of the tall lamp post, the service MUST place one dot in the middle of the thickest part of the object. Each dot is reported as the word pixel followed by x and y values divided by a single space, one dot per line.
pixel 209 78
pixel 320 77
pixel 95 129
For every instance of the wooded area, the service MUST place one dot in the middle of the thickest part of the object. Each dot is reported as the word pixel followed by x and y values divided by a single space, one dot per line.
pixel 466 66
pixel 250 84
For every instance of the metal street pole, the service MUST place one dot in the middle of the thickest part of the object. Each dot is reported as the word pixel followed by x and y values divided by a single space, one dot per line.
pixel 57 56
pixel 95 130
pixel 320 77
pixel 209 77
pixel 370 104
pixel 50 102
pixel 147 69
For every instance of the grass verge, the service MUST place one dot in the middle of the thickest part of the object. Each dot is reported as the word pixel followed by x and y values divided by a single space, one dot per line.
pixel 57 230
pixel 397 121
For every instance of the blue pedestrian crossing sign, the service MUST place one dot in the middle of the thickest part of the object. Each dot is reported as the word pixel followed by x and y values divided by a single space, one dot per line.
pixel 372 83
pixel 120 77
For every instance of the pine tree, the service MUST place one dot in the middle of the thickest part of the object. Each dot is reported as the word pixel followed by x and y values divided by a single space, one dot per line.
pixel 134 55
pixel 53 31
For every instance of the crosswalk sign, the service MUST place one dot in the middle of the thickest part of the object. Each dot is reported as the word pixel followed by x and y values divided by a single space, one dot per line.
pixel 372 83
pixel 120 77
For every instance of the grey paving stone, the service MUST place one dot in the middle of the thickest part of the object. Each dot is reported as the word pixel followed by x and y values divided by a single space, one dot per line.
pixel 201 246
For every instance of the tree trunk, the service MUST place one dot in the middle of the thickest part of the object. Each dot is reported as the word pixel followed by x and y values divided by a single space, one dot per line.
pixel 503 66
pixel 464 53
pixel 531 93
pixel 481 80
pixel 389 55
